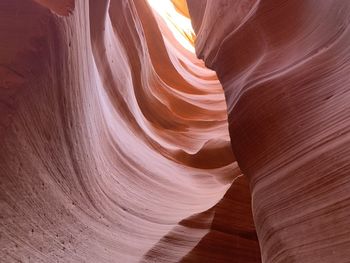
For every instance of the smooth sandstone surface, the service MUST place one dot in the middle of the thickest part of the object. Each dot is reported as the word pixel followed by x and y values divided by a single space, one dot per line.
pixel 114 141
pixel 115 144
pixel 285 69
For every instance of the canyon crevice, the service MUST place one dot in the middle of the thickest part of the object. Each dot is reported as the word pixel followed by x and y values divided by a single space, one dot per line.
pixel 118 144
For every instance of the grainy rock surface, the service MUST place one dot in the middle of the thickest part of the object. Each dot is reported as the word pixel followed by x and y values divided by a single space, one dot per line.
pixel 285 69
pixel 114 141
pixel 117 144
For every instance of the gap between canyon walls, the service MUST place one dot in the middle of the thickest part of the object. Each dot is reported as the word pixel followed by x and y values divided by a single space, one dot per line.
pixel 114 141
pixel 231 234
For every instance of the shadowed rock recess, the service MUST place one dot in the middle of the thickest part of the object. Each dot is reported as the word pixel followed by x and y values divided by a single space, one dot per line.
pixel 118 144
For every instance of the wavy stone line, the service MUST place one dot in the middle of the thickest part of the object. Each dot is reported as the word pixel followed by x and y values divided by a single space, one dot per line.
pixel 114 140
pixel 284 67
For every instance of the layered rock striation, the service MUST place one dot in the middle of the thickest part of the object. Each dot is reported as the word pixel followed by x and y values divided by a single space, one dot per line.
pixel 114 141
pixel 284 66
pixel 115 144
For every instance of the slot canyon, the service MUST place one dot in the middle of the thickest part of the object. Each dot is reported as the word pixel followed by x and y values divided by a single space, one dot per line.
pixel 175 131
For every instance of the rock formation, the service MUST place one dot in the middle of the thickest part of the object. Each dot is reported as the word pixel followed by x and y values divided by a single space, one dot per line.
pixel 115 144
pixel 114 140
pixel 284 66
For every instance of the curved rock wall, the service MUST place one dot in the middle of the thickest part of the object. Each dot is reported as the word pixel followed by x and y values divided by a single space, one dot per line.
pixel 285 66
pixel 114 141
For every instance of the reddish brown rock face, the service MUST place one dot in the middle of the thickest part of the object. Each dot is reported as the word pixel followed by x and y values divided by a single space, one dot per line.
pixel 114 141
pixel 285 66
pixel 115 144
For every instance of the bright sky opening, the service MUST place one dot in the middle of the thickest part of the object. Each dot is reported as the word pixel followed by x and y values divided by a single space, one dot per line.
pixel 179 25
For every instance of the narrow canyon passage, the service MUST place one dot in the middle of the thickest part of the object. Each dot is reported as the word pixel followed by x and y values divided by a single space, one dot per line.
pixel 125 133
pixel 115 145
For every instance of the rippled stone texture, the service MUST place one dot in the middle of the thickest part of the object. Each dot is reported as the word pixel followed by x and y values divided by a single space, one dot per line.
pixel 114 141
pixel 285 66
